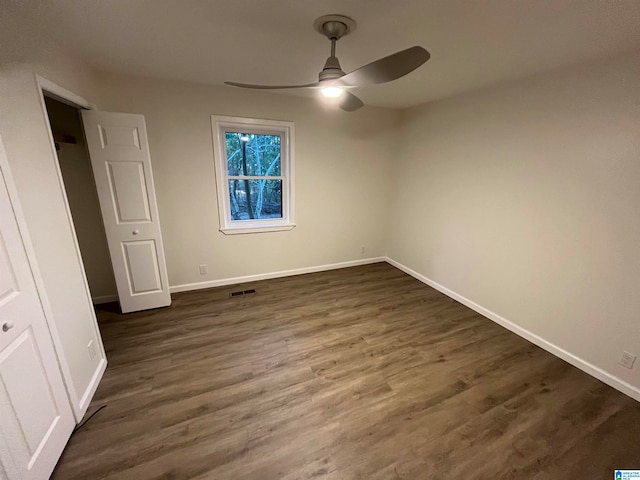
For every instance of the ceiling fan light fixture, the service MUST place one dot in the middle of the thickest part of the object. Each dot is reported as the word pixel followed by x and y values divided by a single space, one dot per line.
pixel 332 91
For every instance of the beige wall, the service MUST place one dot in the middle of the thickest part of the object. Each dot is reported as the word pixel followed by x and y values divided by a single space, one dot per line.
pixel 342 168
pixel 83 200
pixel 525 199
pixel 24 131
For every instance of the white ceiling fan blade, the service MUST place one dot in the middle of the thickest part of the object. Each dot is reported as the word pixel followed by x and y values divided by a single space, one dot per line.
pixel 269 87
pixel 386 69
pixel 349 102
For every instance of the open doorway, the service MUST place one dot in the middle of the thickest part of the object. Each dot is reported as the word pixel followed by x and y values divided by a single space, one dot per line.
pixel 79 184
pixel 117 170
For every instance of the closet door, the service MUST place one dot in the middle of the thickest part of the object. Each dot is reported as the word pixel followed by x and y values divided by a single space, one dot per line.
pixel 35 414
pixel 122 169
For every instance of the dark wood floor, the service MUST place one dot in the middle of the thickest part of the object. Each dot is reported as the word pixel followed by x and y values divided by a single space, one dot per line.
pixel 360 373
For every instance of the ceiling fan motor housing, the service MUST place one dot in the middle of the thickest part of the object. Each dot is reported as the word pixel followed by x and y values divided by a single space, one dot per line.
pixel 331 70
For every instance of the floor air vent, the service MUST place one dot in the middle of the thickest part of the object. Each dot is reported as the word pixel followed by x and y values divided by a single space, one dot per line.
pixel 242 292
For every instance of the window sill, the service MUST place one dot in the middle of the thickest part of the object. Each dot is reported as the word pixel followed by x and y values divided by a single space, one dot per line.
pixel 242 230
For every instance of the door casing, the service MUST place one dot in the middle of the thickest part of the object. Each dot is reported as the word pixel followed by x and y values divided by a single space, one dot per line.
pixel 79 400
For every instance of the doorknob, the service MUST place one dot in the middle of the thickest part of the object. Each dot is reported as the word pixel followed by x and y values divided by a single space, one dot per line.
pixel 6 326
pixel 136 231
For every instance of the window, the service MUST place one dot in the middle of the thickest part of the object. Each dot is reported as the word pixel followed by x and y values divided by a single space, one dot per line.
pixel 254 172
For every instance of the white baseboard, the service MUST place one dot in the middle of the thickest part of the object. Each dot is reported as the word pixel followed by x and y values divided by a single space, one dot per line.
pixel 104 299
pixel 82 406
pixel 265 276
pixel 577 362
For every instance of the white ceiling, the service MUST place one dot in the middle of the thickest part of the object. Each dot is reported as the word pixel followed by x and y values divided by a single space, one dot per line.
pixel 473 43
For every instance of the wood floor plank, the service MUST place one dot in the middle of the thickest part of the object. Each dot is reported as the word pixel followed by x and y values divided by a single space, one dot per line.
pixel 359 373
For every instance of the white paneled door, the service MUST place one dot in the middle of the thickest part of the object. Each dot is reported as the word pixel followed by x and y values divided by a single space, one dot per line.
pixel 122 169
pixel 35 414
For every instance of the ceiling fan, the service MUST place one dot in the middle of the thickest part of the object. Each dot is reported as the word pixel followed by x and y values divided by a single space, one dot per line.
pixel 334 83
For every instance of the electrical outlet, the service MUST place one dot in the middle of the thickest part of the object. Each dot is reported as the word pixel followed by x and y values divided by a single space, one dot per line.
pixel 92 349
pixel 363 249
pixel 627 360
pixel 204 269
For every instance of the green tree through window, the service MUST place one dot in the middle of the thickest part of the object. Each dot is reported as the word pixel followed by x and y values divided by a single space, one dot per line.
pixel 254 174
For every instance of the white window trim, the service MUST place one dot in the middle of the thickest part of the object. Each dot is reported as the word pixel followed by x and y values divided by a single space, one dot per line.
pixel 218 125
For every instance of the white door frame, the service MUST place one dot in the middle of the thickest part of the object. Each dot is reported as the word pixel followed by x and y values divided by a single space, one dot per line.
pixel 78 404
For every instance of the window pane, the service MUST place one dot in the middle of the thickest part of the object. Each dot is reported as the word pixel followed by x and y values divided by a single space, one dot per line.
pixel 252 154
pixel 264 196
